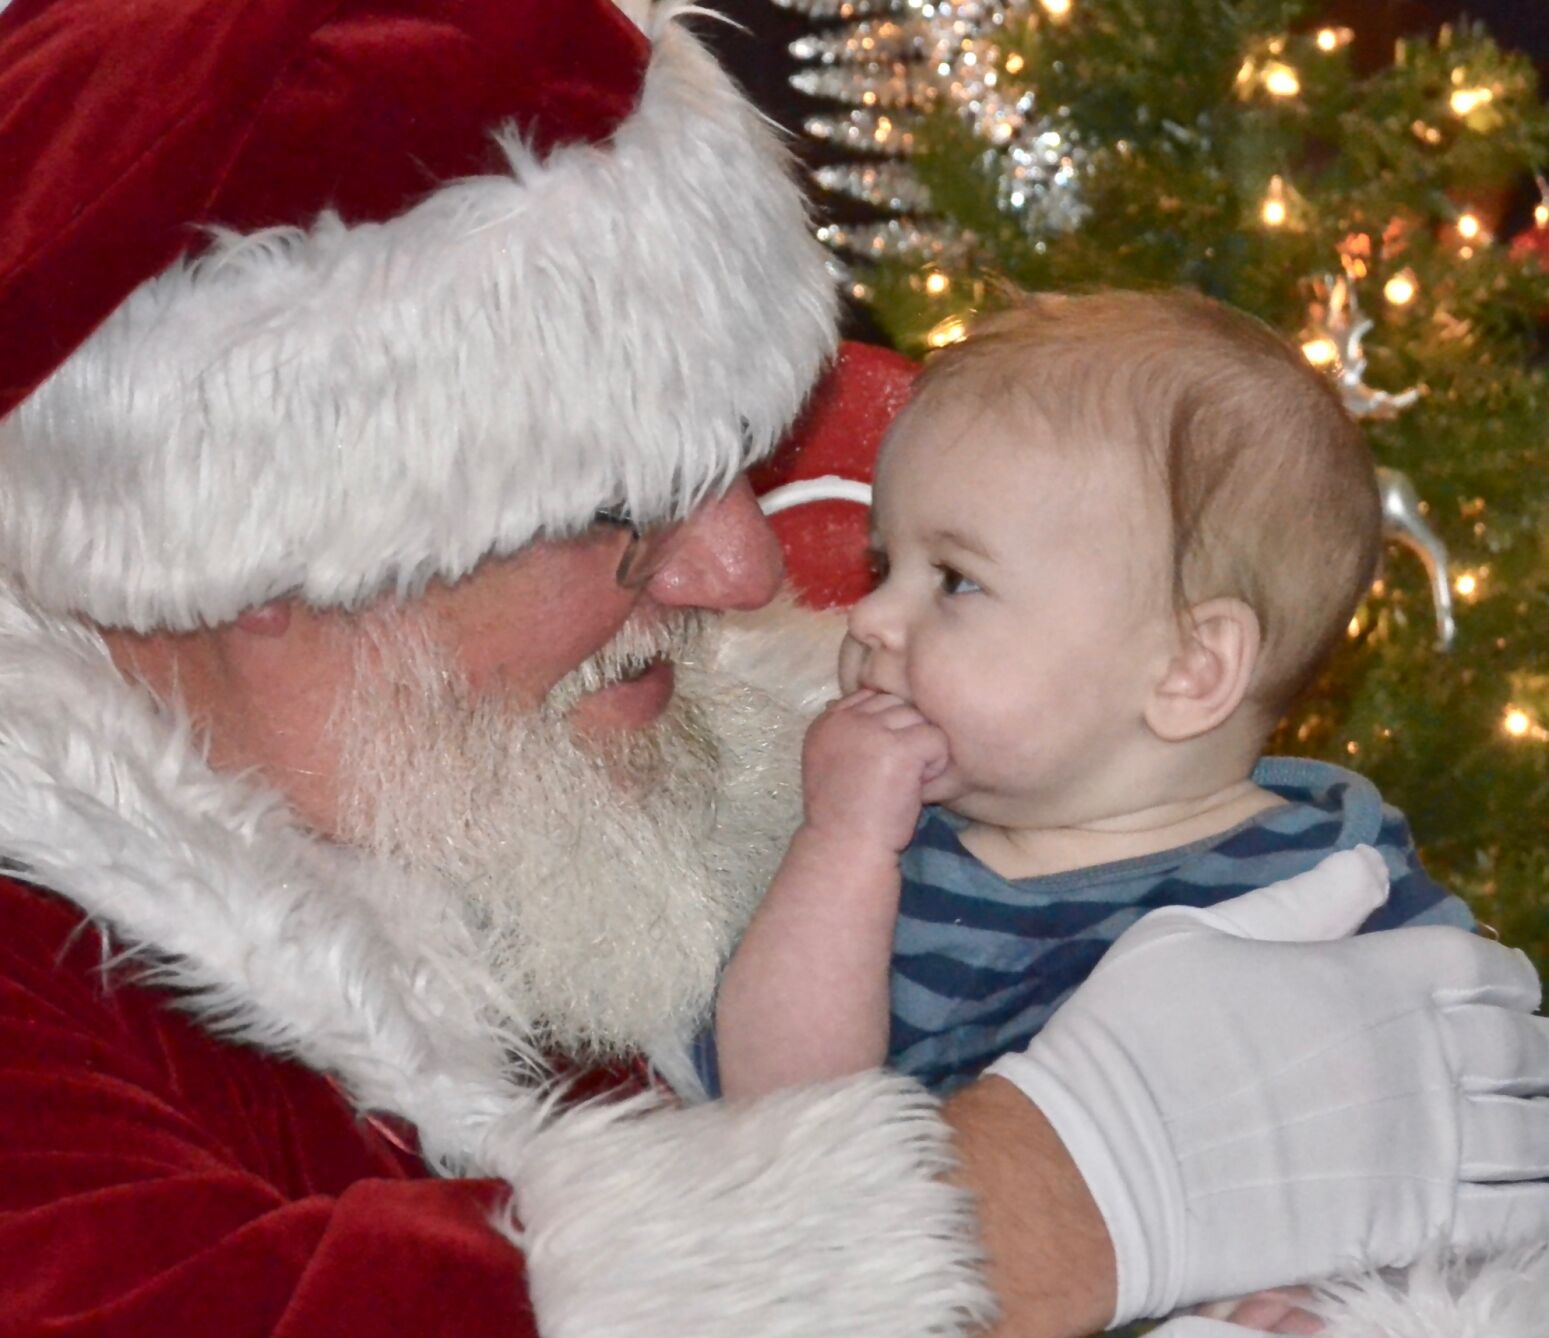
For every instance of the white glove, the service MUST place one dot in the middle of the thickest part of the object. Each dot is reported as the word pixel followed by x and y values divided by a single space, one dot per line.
pixel 1251 1113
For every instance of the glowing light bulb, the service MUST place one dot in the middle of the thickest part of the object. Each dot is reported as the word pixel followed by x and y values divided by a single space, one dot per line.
pixel 1541 215
pixel 1331 39
pixel 937 283
pixel 1469 227
pixel 1274 211
pixel 1466 585
pixel 1467 100
pixel 1320 352
pixel 1354 629
pixel 951 331
pixel 1401 289
pixel 1517 722
pixel 1056 9
pixel 1281 80
pixel 1014 63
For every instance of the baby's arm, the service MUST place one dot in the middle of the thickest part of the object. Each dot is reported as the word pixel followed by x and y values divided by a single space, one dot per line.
pixel 806 994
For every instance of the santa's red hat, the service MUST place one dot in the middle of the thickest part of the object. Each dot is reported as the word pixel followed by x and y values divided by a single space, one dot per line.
pixel 330 297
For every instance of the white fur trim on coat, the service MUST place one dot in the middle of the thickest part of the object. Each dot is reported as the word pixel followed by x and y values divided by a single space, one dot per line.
pixel 820 1212
pixel 649 1226
pixel 346 409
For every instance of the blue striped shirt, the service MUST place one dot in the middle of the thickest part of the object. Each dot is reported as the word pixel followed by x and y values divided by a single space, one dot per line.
pixel 981 962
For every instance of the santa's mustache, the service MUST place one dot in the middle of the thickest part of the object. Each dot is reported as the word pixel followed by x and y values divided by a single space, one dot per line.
pixel 680 635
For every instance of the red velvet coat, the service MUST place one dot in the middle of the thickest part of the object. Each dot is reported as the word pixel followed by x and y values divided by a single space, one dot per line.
pixel 156 1180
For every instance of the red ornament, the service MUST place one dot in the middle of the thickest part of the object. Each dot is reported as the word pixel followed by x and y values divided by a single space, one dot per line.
pixel 839 432
pixel 1531 244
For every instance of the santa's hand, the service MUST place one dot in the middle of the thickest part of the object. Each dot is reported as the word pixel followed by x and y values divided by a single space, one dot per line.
pixel 865 763
pixel 1255 1100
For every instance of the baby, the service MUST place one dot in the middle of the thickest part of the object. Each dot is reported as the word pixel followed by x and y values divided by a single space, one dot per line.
pixel 1115 535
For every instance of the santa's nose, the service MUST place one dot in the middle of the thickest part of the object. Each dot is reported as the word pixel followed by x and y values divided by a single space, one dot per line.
pixel 724 557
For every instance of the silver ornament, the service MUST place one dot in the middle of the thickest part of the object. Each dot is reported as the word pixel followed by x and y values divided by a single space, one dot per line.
pixel 1343 325
pixel 1403 519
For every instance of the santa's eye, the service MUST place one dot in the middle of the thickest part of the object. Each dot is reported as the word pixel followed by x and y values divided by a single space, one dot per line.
pixel 953 582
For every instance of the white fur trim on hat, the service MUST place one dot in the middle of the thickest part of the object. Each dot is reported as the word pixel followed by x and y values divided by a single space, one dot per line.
pixel 346 410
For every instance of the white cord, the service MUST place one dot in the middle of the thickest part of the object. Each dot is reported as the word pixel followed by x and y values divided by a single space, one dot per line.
pixel 827 488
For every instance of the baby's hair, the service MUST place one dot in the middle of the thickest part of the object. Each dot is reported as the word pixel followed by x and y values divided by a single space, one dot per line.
pixel 1269 484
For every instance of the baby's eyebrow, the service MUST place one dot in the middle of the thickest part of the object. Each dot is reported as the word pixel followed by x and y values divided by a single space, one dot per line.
pixel 959 540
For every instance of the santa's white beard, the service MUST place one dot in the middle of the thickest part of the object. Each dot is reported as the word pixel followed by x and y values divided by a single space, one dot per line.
pixel 600 882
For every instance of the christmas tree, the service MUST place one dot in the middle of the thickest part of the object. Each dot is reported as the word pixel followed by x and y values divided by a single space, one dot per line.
pixel 1233 147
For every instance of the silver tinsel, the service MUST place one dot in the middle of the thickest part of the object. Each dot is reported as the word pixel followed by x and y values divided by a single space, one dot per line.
pixel 887 185
pixel 890 62
pixel 837 9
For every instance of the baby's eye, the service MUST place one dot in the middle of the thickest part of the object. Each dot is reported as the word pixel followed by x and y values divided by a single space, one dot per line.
pixel 953 582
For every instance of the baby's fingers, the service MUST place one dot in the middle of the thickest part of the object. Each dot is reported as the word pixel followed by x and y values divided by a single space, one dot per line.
pixel 851 701
pixel 899 716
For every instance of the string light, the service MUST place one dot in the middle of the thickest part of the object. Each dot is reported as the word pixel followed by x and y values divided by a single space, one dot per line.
pixel 950 331
pixel 1274 210
pixel 1281 80
pixel 1320 352
pixel 1472 233
pixel 1014 63
pixel 1520 724
pixel 1541 211
pixel 1465 101
pixel 1470 584
pixel 937 283
pixel 1331 39
pixel 1402 288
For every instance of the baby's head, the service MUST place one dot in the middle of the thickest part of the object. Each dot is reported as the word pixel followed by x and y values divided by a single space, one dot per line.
pixel 1162 456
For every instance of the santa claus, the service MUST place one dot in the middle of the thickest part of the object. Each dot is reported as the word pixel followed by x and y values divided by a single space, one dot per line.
pixel 380 787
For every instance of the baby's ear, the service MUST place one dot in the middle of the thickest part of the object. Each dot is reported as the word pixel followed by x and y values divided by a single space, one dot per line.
pixel 1209 673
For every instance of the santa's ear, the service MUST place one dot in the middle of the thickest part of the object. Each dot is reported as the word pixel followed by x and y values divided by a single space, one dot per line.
pixel 1210 670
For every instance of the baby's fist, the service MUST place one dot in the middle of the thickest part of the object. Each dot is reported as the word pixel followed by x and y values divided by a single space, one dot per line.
pixel 865 764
